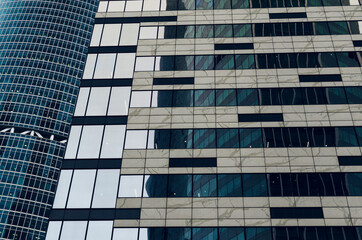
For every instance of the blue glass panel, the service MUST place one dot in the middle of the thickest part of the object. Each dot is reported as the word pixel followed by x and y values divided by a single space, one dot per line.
pixel 179 185
pixel 204 186
pixel 227 138
pixel 229 185
pixel 204 138
pixel 250 138
pixel 254 185
pixel 231 233
pixel 204 234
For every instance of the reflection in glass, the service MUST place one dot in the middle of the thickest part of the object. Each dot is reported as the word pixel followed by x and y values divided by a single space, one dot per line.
pixel 244 61
pixel 224 62
pixel 204 31
pixel 152 234
pixel 178 234
pixel 204 186
pixel 181 138
pixel 155 186
pixel 250 138
pixel 225 97
pixel 223 31
pixel 204 233
pixel 81 190
pixel 231 233
pixel 204 62
pixel 227 138
pixel 204 138
pixel 73 230
pixel 183 98
pixel 204 98
pixel 179 185
pixel 229 185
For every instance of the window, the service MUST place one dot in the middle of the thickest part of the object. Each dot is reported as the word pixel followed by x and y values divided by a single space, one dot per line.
pixel 130 186
pixel 113 140
pixel 105 192
pixel 136 139
pixel 89 66
pixel 81 190
pixel 105 66
pixel 179 185
pixel 62 189
pixel 98 101
pixel 129 35
pixel 99 230
pixel 141 99
pixel 110 36
pixel 119 101
pixel 124 65
pixel 254 185
pixel 90 142
pixel 73 230
pixel 229 185
pixel 204 186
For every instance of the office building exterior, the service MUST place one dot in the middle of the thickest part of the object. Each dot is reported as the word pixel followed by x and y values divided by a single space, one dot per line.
pixel 206 119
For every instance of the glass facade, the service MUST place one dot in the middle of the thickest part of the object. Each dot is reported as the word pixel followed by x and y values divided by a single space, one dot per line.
pixel 42 56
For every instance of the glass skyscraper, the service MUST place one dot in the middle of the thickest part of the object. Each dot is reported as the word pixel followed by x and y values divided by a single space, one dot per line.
pixel 43 46
pixel 187 120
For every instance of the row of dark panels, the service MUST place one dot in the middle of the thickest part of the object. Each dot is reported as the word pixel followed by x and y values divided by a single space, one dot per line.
pixel 241 185
pixel 276 137
pixel 255 61
pixel 260 30
pixel 253 97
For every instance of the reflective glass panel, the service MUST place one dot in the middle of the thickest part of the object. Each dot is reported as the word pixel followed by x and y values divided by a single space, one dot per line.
pixel 81 190
pixel 105 192
pixel 179 185
pixel 204 186
pixel 130 186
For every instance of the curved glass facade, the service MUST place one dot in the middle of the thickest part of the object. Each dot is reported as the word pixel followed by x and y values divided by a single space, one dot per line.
pixel 43 46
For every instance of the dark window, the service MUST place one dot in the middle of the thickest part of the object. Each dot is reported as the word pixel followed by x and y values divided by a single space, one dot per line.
pixel 204 5
pixel 285 233
pixel 156 185
pixel 185 31
pixel 285 60
pixel 306 60
pixel 327 60
pixel 348 59
pixel 321 137
pixel 183 63
pixel 350 160
pixel 335 95
pixel 269 96
pixel 298 212
pixel 183 98
pixel 181 138
pixel 265 61
pixel 354 95
pixel 161 139
pixel 178 233
pixel 179 185
pixel 162 98
pixel 291 96
pixel 345 137
pixel 167 63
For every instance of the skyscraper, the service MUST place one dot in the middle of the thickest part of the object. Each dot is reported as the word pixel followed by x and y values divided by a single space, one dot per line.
pixel 206 119
pixel 43 46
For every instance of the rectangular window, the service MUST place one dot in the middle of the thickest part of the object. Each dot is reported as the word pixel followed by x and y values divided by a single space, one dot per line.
pixel 81 190
pixel 90 142
pixel 105 66
pixel 113 140
pixel 105 191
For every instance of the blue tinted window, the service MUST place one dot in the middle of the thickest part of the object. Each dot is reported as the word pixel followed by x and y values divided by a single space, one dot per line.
pixel 224 62
pixel 225 97
pixel 223 30
pixel 204 31
pixel 179 185
pixel 227 138
pixel 204 98
pixel 354 95
pixel 336 95
pixel 242 30
pixel 204 138
pixel 204 234
pixel 254 185
pixel 258 233
pixel 229 185
pixel 345 137
pixel 231 233
pixel 222 4
pixel 354 184
pixel 204 186
pixel 244 61
pixel 178 234
pixel 167 63
pixel 250 138
pixel 327 60
pixel 183 63
pixel 248 97
pixel 204 4
pixel 348 59
pixel 204 62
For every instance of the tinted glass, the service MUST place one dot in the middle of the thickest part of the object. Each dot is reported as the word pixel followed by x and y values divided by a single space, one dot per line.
pixel 229 185
pixel 248 97
pixel 204 186
pixel 204 98
pixel 183 98
pixel 244 61
pixel 227 138
pixel 179 185
pixel 254 185
pixel 204 138
pixel 250 138
pixel 225 97
pixel 181 139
